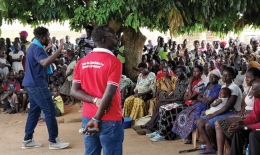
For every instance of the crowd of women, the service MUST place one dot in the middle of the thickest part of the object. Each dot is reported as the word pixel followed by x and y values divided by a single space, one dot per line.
pixel 211 88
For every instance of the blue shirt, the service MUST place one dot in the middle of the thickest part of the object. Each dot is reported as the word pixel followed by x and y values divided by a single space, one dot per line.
pixel 35 75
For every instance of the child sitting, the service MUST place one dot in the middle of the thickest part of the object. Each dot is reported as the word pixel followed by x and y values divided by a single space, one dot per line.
pixel 22 96
pixel 10 101
pixel 224 94
pixel 12 82
pixel 58 103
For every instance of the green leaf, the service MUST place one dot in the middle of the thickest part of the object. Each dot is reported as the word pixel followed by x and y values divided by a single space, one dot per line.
pixel 41 2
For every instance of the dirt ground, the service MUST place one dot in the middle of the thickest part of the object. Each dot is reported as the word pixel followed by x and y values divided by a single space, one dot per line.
pixel 12 132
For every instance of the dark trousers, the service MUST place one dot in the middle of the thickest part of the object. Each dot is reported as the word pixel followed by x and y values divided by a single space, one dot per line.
pixel 153 123
pixel 41 99
pixel 254 141
pixel 238 141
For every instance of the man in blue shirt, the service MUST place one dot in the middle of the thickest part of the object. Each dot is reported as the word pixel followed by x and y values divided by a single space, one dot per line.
pixel 38 66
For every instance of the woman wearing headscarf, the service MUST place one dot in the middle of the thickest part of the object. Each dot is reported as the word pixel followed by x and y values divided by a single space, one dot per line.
pixel 206 123
pixel 185 121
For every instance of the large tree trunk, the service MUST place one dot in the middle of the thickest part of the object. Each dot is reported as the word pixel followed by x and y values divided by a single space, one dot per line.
pixel 134 43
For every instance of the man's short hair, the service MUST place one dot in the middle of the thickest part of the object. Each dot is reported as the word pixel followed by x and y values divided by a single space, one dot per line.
pixel 183 68
pixel 40 31
pixel 199 67
pixel 100 32
pixel 88 27
pixel 143 65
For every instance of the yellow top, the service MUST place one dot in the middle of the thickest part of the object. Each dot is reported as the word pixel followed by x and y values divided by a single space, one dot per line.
pixel 59 103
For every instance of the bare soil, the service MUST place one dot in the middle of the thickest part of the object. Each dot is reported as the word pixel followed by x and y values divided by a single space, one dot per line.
pixel 12 133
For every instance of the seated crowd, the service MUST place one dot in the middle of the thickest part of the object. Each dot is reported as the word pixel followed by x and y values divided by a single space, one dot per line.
pixel 13 95
pixel 212 88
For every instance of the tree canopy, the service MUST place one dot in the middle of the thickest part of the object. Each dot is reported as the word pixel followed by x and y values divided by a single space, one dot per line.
pixel 179 16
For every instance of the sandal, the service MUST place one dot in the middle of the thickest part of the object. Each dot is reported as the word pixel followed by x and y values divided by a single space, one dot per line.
pixel 213 151
pixel 137 128
pixel 157 138
pixel 151 135
pixel 143 131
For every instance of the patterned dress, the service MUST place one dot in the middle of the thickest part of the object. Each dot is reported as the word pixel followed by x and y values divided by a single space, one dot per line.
pixel 163 89
pixel 178 94
pixel 134 106
pixel 125 82
pixel 197 87
pixel 185 121
pixel 249 57
pixel 167 113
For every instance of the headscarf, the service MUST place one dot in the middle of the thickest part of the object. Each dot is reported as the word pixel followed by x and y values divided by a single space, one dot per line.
pixel 216 73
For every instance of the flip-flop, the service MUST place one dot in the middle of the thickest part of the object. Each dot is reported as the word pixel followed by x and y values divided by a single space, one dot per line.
pixel 213 151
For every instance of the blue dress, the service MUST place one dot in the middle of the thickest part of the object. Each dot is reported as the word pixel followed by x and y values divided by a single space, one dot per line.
pixel 185 120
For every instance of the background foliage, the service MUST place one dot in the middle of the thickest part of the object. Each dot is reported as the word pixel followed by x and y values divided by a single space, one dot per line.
pixel 179 16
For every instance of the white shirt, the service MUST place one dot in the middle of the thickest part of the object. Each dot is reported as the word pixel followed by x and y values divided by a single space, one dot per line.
pixel 249 101
pixel 245 86
pixel 235 90
pixel 239 79
pixel 218 107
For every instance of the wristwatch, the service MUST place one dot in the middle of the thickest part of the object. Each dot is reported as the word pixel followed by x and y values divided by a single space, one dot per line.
pixel 245 127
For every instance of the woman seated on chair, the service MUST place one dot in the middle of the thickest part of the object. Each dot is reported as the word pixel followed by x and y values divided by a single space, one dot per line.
pixel 175 97
pixel 222 125
pixel 185 121
pixel 164 87
pixel 168 112
pixel 205 123
pixel 145 86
